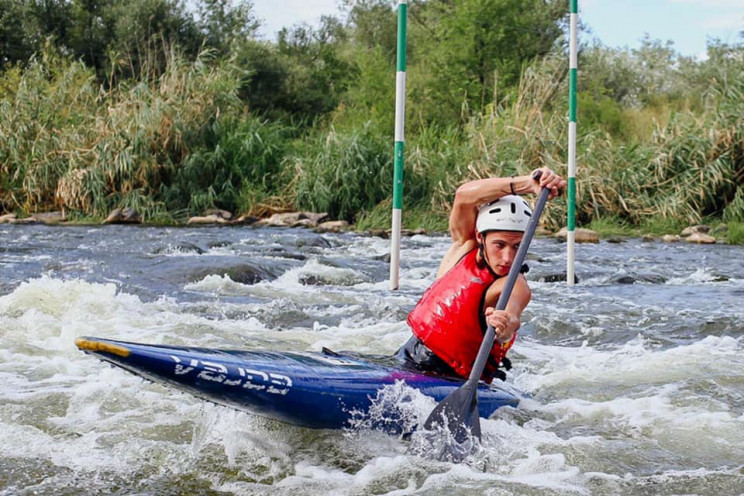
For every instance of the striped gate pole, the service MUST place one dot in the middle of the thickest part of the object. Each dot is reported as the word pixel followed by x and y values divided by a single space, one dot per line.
pixel 400 117
pixel 572 77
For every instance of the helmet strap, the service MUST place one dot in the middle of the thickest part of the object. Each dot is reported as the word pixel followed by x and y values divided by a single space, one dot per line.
pixel 482 250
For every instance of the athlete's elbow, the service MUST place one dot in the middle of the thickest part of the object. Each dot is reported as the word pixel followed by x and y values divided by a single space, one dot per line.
pixel 464 195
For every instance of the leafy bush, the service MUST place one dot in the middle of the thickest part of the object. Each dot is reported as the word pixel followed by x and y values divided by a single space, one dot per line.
pixel 344 173
pixel 239 153
pixel 735 234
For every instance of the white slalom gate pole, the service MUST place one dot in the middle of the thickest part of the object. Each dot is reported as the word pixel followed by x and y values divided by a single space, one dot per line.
pixel 572 78
pixel 400 117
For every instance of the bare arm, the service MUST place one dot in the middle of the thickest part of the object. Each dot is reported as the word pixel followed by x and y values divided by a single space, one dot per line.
pixel 468 198
pixel 473 194
pixel 506 322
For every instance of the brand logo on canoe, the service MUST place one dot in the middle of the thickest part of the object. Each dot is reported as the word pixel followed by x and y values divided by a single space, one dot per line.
pixel 244 378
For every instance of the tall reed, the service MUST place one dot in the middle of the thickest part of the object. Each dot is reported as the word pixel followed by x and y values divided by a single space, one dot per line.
pixel 176 141
pixel 343 173
pixel 179 141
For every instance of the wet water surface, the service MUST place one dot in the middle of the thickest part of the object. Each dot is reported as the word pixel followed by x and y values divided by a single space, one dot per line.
pixel 636 375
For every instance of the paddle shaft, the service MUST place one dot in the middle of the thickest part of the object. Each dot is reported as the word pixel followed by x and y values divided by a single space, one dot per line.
pixel 487 343
pixel 458 412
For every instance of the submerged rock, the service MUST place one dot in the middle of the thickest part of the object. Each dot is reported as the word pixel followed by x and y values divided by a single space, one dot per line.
pixel 385 257
pixel 637 278
pixel 386 233
pixel 563 277
pixel 378 233
pixel 615 240
pixel 275 251
pixel 243 273
pixel 315 241
pixel 219 244
pixel 182 247
pixel 312 280
pixel 534 257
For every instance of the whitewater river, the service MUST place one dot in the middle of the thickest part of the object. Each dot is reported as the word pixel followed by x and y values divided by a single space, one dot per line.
pixel 636 389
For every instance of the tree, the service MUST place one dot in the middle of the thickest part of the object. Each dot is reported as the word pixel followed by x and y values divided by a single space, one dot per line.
pixel 373 25
pixel 476 49
pixel 144 31
pixel 302 77
pixel 223 23
pixel 26 24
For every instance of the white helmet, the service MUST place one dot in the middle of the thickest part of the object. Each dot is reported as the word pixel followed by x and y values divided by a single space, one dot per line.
pixel 508 213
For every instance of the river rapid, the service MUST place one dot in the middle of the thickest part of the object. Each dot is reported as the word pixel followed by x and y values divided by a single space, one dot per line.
pixel 635 375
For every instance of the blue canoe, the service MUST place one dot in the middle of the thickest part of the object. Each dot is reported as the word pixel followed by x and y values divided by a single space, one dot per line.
pixel 316 390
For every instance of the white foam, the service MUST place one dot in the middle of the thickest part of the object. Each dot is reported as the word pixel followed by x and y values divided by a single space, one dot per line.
pixel 603 415
pixel 636 362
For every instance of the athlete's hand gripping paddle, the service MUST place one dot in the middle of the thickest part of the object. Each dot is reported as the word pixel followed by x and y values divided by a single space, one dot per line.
pixel 459 411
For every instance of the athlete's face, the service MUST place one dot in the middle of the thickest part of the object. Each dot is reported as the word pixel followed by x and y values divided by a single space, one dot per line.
pixel 500 248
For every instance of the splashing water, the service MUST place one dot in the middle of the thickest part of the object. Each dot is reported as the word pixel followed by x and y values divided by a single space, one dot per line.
pixel 636 388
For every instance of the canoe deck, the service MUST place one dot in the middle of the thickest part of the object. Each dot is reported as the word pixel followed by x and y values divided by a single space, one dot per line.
pixel 316 390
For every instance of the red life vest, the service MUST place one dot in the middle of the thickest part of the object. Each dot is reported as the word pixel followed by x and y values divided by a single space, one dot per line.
pixel 449 317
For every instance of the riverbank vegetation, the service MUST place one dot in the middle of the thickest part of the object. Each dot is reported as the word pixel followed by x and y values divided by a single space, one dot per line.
pixel 172 108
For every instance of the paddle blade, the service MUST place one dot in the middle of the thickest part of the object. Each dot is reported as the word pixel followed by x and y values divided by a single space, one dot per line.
pixel 456 418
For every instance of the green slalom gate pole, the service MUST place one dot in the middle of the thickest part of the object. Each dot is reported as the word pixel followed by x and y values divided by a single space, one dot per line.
pixel 572 78
pixel 400 117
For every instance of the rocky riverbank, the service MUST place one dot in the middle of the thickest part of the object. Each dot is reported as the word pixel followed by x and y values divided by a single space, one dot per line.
pixel 320 222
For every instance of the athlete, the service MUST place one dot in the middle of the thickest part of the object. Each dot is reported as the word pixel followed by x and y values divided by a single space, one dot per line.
pixel 487 222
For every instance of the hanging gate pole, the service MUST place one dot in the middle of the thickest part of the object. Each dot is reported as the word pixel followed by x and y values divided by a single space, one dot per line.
pixel 572 78
pixel 400 116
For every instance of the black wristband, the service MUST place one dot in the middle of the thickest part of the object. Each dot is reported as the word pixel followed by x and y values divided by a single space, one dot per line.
pixel 511 185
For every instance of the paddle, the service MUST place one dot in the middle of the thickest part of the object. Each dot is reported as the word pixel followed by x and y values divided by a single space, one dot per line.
pixel 459 410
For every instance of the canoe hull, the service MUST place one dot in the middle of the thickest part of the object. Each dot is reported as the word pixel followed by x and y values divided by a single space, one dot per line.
pixel 316 390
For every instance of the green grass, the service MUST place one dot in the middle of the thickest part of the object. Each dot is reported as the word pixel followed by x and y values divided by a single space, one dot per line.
pixel 612 226
pixel 735 234
pixel 662 225
pixel 175 144
pixel 344 172
pixel 416 217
